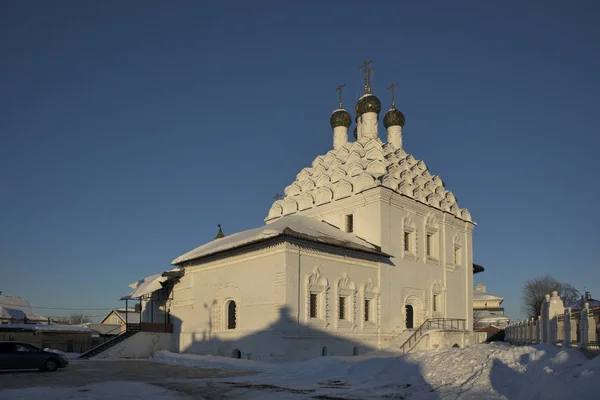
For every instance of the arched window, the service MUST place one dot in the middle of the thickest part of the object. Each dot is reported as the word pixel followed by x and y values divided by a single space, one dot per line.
pixel 236 353
pixel 231 314
pixel 324 351
pixel 410 322
pixel 355 351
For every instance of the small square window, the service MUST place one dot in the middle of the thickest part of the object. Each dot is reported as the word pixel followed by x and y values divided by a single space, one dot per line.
pixel 314 297
pixel 406 241
pixel 342 308
pixel 367 310
pixel 349 223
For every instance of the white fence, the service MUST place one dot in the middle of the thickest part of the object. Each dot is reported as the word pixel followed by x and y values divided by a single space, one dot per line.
pixel 557 325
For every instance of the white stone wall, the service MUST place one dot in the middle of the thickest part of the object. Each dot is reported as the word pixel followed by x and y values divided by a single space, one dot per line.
pixel 380 217
pixel 272 289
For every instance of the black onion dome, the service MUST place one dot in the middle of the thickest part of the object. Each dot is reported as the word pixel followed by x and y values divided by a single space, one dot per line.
pixel 368 103
pixel 393 118
pixel 340 117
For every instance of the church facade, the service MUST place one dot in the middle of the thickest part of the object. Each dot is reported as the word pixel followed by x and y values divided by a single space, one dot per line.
pixel 365 245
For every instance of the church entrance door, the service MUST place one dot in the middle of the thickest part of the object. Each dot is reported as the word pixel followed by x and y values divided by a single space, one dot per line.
pixel 410 319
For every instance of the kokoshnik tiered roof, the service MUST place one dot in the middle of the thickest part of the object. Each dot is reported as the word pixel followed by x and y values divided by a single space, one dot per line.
pixel 357 166
pixel 362 165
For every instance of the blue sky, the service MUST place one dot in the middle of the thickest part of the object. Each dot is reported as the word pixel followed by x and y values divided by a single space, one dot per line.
pixel 129 130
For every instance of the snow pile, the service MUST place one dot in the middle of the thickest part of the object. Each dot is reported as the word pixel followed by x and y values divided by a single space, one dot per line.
pixel 483 371
pixel 97 391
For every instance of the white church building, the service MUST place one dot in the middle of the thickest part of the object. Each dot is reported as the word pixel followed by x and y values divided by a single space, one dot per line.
pixel 365 246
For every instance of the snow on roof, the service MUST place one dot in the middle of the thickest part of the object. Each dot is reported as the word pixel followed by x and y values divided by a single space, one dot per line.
pixel 14 307
pixel 485 296
pixel 130 317
pixel 147 285
pixel 45 328
pixel 295 226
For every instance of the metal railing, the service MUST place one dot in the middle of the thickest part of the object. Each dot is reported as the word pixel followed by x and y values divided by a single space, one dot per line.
pixel 448 324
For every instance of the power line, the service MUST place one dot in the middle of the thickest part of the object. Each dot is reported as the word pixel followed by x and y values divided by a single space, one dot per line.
pixel 64 309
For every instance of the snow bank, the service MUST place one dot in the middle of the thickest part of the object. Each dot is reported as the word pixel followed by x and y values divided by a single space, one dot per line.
pixel 483 371
pixel 98 391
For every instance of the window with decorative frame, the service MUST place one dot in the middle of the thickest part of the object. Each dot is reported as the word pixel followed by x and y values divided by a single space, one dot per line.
pixel 314 305
pixel 342 312
pixel 409 239
pixel 370 294
pixel 457 252
pixel 437 290
pixel 316 297
pixel 346 297
pixel 432 242
pixel 367 309
pixel 231 314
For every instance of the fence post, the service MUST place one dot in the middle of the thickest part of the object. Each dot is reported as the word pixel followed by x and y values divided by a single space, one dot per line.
pixel 591 327
pixel 545 319
pixel 584 322
pixel 531 333
pixel 567 327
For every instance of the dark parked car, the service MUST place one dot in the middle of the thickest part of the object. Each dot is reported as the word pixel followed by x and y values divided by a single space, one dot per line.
pixel 18 355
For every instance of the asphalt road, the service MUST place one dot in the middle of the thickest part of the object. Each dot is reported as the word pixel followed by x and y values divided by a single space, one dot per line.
pixel 84 372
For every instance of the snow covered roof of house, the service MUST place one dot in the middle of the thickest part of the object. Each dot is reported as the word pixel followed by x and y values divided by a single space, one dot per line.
pixel 487 314
pixel 45 328
pixel 361 165
pixel 580 304
pixel 295 226
pixel 17 308
pixel 485 296
pixel 128 315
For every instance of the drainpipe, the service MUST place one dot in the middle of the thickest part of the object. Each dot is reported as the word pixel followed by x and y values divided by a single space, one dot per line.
pixel 298 306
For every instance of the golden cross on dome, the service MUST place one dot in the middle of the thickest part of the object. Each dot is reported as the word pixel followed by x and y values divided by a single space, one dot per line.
pixel 277 196
pixel 339 89
pixel 367 75
pixel 391 87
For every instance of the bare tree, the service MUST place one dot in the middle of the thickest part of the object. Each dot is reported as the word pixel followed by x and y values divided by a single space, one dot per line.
pixel 78 319
pixel 535 290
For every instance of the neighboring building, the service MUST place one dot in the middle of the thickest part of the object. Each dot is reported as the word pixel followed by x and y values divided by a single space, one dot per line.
pixel 122 316
pixel 115 321
pixel 488 314
pixel 69 338
pixel 587 298
pixel 15 310
pixel 365 244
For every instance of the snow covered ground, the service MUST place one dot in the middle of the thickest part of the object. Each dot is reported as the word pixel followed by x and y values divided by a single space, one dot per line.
pixel 484 371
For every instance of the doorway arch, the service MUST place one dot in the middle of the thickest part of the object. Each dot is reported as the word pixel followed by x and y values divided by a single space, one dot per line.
pixel 413 312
